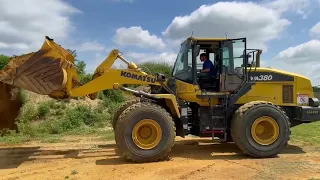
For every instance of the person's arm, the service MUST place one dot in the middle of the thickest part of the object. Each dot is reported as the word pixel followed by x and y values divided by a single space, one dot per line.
pixel 205 70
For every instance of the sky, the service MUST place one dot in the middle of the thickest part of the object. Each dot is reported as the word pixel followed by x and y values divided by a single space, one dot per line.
pixel 288 31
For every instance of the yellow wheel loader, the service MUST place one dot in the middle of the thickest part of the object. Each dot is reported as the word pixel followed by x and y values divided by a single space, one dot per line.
pixel 241 102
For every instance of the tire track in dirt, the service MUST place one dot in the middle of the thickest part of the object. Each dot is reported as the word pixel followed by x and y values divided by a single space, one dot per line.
pixel 41 165
pixel 190 159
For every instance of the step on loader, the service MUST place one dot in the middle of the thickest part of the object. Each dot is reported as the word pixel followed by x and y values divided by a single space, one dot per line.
pixel 240 102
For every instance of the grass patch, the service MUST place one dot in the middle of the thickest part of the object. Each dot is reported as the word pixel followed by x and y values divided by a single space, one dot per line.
pixel 107 136
pixel 306 134
pixel 18 138
pixel 48 121
pixel 15 139
pixel 51 139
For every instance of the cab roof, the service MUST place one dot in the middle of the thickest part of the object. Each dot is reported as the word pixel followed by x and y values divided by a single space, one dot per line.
pixel 206 39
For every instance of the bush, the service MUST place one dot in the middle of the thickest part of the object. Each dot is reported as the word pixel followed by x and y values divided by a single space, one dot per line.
pixel 23 96
pixel 4 60
pixel 29 112
pixel 111 95
pixel 44 108
pixel 80 115
pixel 60 121
pixel 85 78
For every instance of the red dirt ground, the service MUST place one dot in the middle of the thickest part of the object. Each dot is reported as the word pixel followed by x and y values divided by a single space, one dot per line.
pixel 88 158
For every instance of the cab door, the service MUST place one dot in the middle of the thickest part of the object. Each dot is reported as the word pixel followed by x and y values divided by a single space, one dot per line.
pixel 232 71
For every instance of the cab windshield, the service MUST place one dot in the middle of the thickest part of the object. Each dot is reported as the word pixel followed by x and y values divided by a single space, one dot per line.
pixel 182 70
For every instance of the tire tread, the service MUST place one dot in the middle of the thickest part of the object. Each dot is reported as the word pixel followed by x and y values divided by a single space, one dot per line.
pixel 121 124
pixel 238 120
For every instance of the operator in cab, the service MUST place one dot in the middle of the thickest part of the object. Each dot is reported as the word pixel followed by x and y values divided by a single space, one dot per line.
pixel 208 70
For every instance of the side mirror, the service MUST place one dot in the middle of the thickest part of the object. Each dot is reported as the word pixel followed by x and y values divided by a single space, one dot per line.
pixel 258 57
pixel 160 77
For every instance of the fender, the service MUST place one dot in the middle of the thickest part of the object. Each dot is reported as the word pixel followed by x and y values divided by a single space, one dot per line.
pixel 171 102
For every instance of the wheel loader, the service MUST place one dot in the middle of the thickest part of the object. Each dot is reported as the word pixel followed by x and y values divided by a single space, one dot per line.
pixel 252 106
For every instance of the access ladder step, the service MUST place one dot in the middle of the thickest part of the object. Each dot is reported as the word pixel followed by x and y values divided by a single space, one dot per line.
pixel 219 131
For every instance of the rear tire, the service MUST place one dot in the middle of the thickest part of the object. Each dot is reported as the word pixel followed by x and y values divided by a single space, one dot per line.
pixel 257 142
pixel 157 142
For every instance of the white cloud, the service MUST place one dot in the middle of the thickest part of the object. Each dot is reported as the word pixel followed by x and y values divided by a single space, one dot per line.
pixel 20 46
pixel 308 69
pixel 315 30
pixel 303 53
pixel 136 36
pixel 91 46
pixel 302 59
pixel 300 7
pixel 151 57
pixel 135 57
pixel 238 19
pixel 24 24
pixel 91 67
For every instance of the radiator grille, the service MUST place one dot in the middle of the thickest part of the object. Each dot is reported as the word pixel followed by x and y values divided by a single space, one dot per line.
pixel 287 93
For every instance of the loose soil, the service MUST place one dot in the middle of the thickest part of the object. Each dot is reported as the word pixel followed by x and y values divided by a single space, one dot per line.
pixel 9 107
pixel 191 158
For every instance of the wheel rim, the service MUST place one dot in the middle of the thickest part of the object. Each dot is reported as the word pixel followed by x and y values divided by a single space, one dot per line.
pixel 147 134
pixel 265 130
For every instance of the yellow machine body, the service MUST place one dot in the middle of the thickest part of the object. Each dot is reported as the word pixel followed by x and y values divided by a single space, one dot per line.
pixel 51 71
pixel 281 93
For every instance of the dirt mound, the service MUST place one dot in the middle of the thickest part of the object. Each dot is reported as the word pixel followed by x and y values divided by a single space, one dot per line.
pixel 9 71
pixel 10 104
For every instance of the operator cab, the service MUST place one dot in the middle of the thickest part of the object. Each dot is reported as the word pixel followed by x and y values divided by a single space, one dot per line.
pixel 227 56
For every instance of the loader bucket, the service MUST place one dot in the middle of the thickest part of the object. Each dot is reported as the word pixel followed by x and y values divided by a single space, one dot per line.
pixel 10 105
pixel 42 72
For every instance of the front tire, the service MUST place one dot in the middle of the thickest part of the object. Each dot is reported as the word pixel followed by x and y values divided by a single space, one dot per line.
pixel 123 107
pixel 145 132
pixel 260 129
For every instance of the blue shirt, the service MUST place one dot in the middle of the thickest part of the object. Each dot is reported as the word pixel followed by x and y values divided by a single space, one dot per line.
pixel 209 64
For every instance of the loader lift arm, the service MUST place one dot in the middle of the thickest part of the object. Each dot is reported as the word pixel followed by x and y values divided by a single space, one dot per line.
pixel 104 72
pixel 107 78
pixel 51 71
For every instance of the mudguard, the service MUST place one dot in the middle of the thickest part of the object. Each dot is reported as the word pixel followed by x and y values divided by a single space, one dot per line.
pixel 171 102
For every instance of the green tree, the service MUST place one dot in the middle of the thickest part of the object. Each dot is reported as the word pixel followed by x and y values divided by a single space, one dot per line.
pixel 4 60
pixel 81 65
pixel 316 88
pixel 73 53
